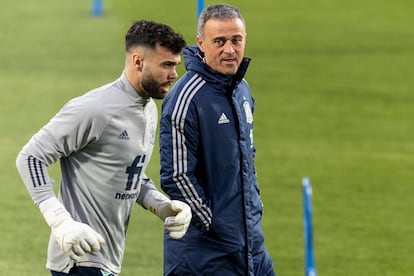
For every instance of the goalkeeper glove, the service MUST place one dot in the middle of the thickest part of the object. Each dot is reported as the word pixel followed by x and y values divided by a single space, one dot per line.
pixel 75 238
pixel 176 216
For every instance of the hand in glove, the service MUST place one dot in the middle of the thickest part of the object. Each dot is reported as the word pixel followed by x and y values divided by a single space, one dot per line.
pixel 75 238
pixel 176 216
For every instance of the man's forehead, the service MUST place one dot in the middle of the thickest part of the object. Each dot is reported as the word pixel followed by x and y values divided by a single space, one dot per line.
pixel 217 27
pixel 164 51
pixel 165 55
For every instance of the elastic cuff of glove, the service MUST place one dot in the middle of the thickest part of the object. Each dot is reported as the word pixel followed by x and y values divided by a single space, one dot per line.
pixel 154 200
pixel 53 211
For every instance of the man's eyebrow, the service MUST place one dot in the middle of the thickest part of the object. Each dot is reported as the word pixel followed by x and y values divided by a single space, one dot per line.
pixel 219 37
pixel 224 37
pixel 170 62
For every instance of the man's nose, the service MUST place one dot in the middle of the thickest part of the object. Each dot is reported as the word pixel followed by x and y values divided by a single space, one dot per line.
pixel 228 47
pixel 173 74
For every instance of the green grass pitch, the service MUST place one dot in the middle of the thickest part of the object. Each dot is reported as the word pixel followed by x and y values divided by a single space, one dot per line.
pixel 333 83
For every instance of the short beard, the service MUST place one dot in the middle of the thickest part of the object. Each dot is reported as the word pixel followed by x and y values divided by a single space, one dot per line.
pixel 152 87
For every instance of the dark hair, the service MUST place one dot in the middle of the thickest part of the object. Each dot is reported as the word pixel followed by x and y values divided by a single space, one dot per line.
pixel 217 11
pixel 149 33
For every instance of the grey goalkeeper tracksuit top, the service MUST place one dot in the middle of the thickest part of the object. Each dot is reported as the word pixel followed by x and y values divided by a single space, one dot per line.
pixel 103 140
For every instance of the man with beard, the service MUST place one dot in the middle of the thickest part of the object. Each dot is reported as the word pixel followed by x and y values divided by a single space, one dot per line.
pixel 104 140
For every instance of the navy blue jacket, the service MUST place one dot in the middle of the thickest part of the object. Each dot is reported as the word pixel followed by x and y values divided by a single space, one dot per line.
pixel 207 161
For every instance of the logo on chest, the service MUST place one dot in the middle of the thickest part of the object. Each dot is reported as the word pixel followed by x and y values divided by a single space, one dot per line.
pixel 223 119
pixel 123 135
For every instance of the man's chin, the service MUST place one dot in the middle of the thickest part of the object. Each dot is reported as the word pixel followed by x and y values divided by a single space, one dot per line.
pixel 161 94
pixel 164 89
pixel 229 69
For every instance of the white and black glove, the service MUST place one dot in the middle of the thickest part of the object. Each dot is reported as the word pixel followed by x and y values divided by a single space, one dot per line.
pixel 75 238
pixel 176 216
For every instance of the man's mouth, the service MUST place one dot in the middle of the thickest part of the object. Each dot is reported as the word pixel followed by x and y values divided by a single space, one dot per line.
pixel 229 60
pixel 169 84
pixel 166 85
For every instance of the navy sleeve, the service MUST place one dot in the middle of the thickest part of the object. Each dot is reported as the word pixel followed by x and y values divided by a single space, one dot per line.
pixel 179 146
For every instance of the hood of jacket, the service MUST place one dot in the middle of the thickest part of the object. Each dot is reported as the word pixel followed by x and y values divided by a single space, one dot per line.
pixel 194 61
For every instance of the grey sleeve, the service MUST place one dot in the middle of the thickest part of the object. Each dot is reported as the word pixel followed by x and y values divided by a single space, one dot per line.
pixel 35 177
pixel 70 130
pixel 149 196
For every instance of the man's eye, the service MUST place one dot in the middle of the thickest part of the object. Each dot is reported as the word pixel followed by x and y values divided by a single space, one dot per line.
pixel 236 41
pixel 168 65
pixel 218 42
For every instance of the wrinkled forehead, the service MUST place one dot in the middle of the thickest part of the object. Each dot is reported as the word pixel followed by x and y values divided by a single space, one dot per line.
pixel 224 28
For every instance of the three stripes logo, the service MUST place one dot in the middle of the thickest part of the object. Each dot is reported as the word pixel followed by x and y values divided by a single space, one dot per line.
pixel 124 135
pixel 36 171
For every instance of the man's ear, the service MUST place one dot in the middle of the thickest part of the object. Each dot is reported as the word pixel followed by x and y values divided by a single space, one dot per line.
pixel 138 61
pixel 200 43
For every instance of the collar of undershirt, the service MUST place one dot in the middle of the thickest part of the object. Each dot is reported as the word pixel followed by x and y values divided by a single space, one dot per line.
pixel 130 91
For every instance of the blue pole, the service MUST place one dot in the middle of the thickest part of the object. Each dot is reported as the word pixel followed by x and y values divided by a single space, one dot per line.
pixel 97 7
pixel 310 269
pixel 200 7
